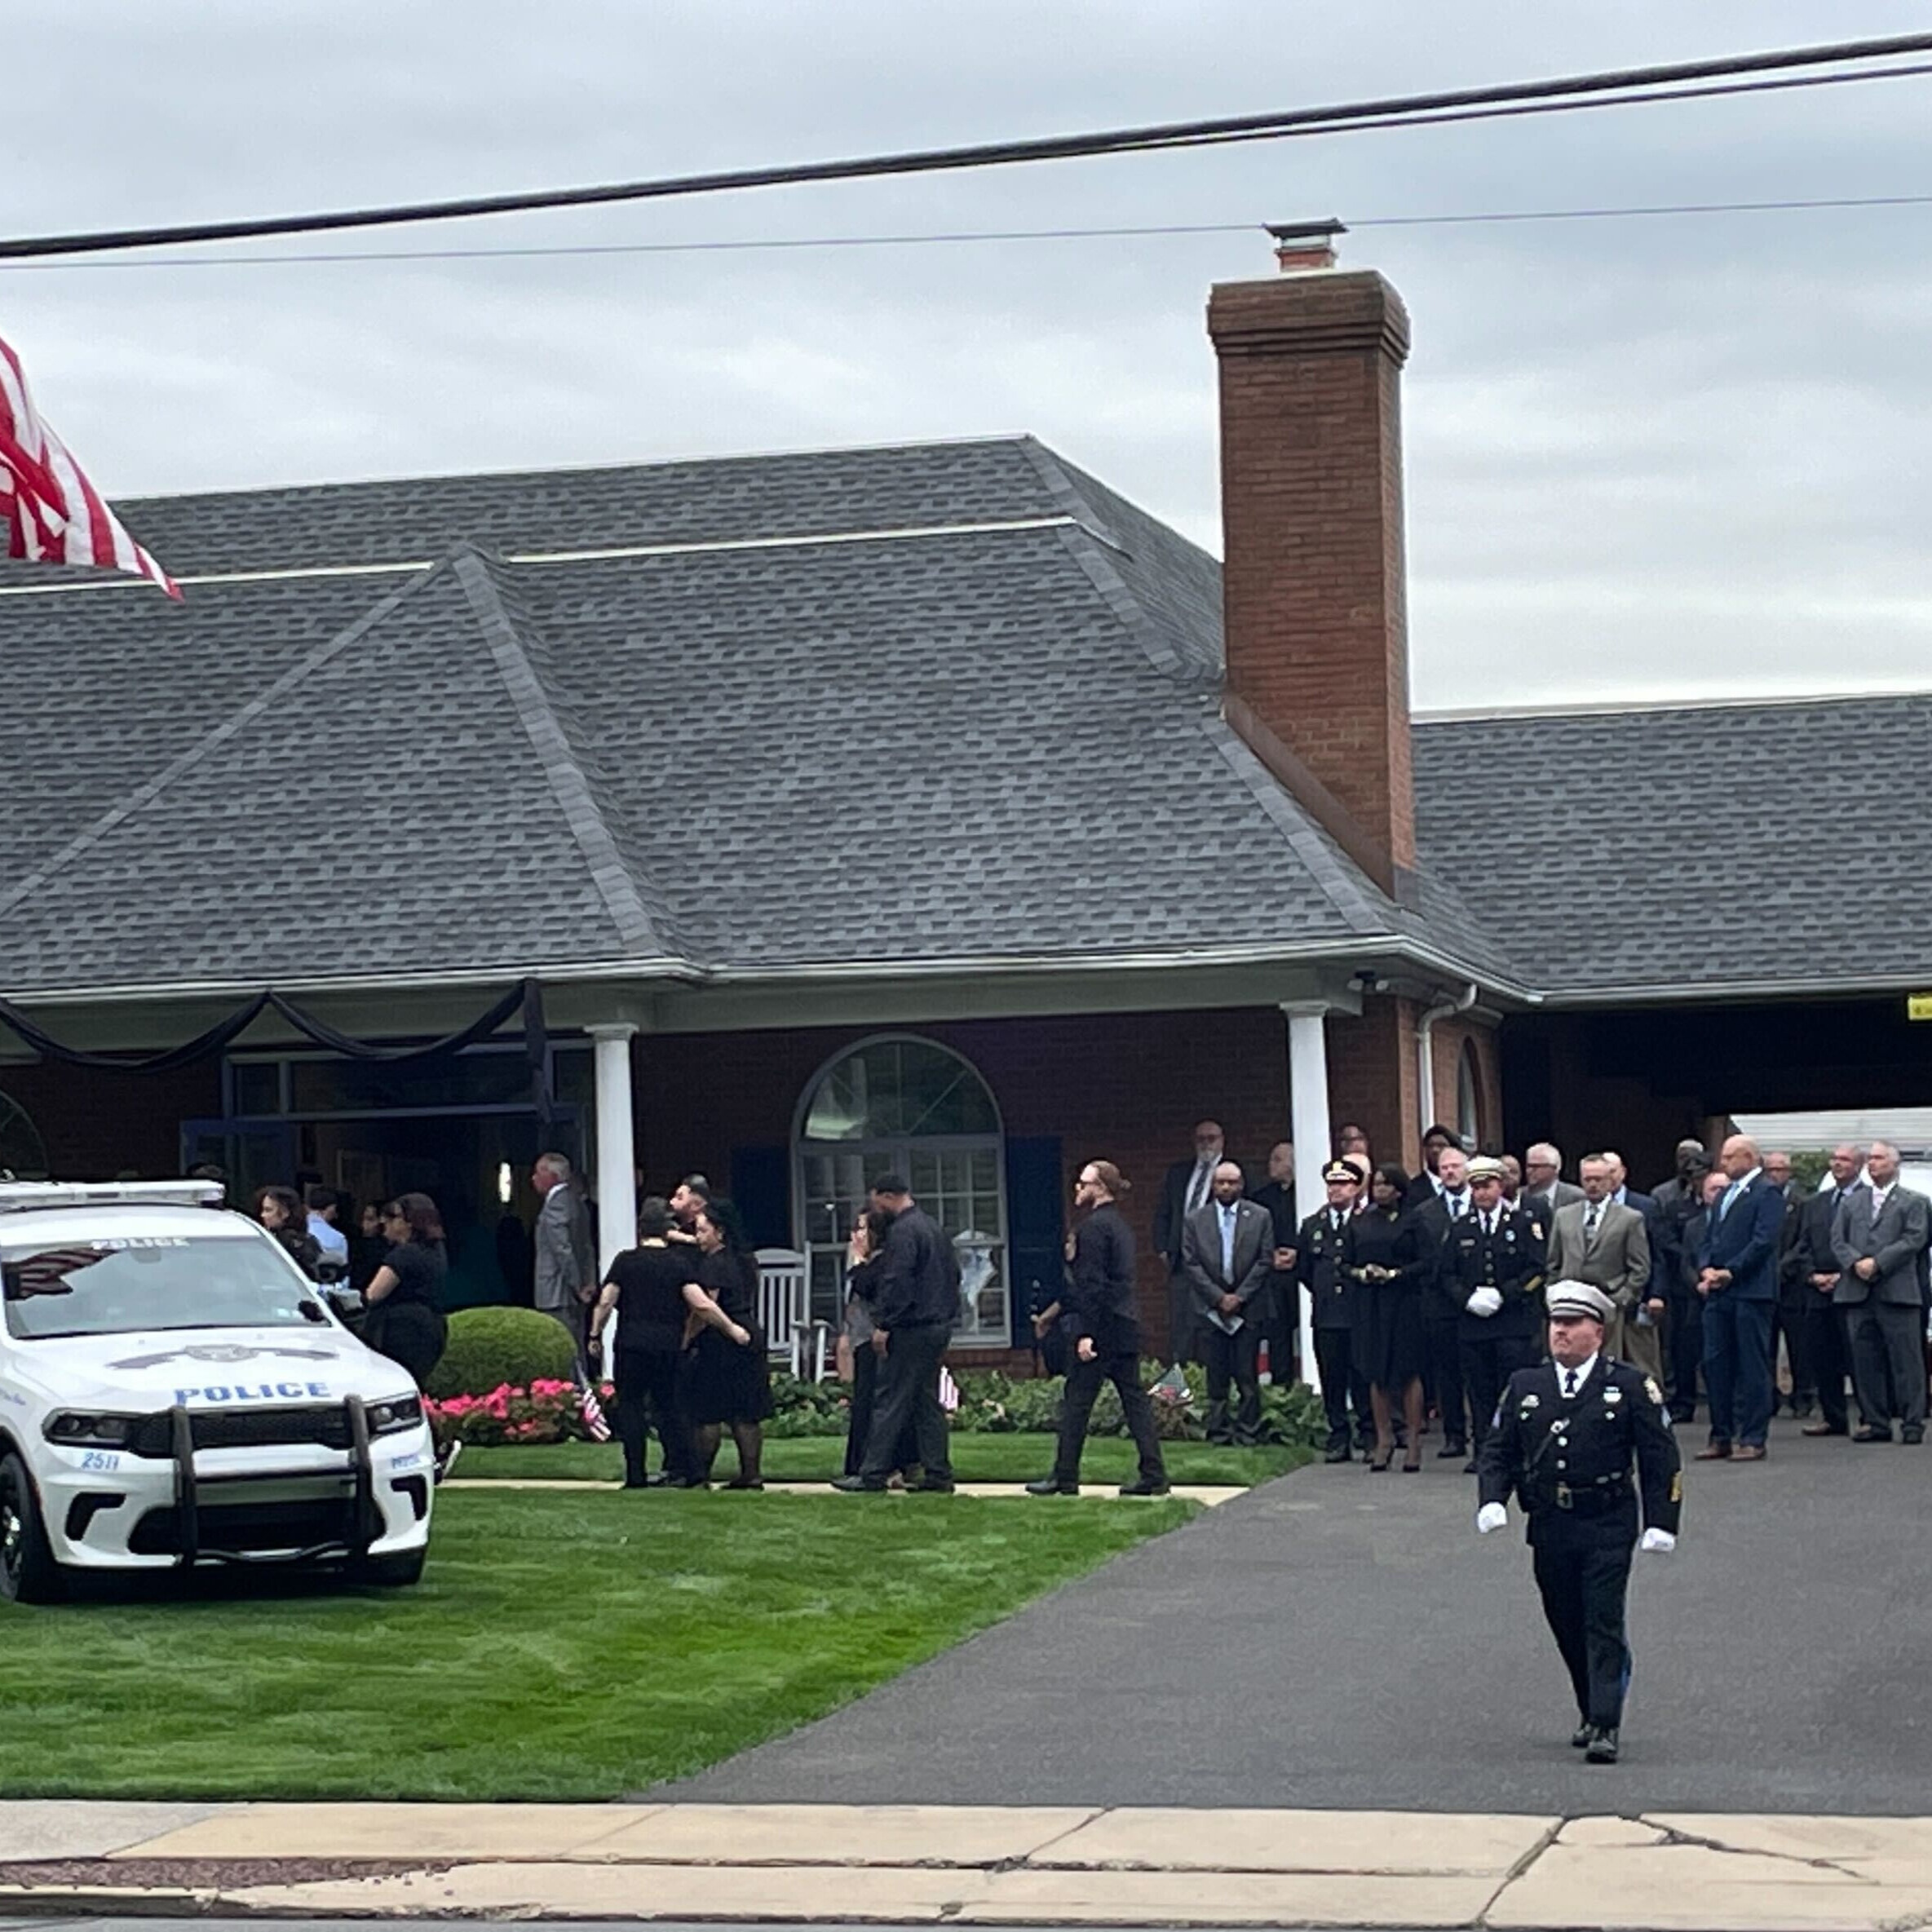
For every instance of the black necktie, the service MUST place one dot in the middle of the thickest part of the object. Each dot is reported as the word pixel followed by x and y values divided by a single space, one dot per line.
pixel 1569 1383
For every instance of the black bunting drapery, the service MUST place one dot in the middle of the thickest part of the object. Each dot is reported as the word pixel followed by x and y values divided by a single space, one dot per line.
pixel 525 999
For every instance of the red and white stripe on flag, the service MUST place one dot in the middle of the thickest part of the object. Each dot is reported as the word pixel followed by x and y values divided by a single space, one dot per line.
pixel 49 513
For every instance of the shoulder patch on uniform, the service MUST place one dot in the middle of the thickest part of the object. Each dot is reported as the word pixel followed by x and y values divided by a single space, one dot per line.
pixel 1532 1400
pixel 1535 1227
pixel 1652 1390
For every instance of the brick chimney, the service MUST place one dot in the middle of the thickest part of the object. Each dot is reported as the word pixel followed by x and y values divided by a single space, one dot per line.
pixel 1314 589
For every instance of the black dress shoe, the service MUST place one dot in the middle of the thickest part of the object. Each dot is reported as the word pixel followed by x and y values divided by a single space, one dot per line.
pixel 1871 1435
pixel 1579 1737
pixel 1602 1749
pixel 860 1485
pixel 1455 1446
pixel 1823 1428
pixel 1802 1408
pixel 933 1486
pixel 1912 1433
pixel 1051 1486
pixel 1339 1453
pixel 1472 1467
pixel 1142 1486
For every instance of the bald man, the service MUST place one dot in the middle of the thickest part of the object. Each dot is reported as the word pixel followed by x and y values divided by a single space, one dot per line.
pixel 1737 1279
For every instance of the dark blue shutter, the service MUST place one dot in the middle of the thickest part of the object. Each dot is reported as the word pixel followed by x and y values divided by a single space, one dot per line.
pixel 1036 1226
pixel 762 1192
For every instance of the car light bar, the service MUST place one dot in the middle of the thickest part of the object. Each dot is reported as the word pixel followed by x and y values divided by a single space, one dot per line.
pixel 16 1196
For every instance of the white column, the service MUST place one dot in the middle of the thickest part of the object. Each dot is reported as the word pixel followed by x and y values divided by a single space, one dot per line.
pixel 616 1160
pixel 1308 1112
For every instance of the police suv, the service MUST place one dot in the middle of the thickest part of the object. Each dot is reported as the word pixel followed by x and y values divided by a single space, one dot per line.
pixel 175 1391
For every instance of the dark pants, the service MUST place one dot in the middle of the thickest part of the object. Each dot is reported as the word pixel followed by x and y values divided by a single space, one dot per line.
pixel 1231 1359
pixel 865 1382
pixel 1487 1363
pixel 1686 1353
pixel 648 1390
pixel 1334 1357
pixel 1831 1361
pixel 1888 1363
pixel 1445 1375
pixel 909 1389
pixel 1583 1571
pixel 1084 1380
pixel 1737 1367
pixel 1789 1323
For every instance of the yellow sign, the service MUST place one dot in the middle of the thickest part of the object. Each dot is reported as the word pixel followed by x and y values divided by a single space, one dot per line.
pixel 1918 1005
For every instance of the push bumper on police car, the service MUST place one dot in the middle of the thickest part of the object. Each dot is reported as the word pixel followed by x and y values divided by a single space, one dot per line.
pixel 347 1479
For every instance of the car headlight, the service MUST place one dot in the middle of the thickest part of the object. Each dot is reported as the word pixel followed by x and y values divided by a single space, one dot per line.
pixel 386 1418
pixel 90 1431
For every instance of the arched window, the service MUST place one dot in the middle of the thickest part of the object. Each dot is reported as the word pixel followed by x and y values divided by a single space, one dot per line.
pixel 22 1152
pixel 904 1105
pixel 1469 1095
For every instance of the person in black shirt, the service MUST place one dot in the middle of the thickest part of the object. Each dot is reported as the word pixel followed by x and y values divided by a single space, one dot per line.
pixel 865 1256
pixel 1099 1298
pixel 280 1211
pixel 652 1289
pixel 914 1312
pixel 1383 1253
pixel 404 1321
pixel 728 1371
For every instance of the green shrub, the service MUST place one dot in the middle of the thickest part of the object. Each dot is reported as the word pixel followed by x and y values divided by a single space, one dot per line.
pixel 489 1348
pixel 807 1407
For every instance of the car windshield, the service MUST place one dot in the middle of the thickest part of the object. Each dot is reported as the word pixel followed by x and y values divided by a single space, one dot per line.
pixel 126 1284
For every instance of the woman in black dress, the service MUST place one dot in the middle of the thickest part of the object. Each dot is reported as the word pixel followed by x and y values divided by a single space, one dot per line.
pixel 280 1211
pixel 405 1321
pixel 654 1290
pixel 729 1380
pixel 1383 1255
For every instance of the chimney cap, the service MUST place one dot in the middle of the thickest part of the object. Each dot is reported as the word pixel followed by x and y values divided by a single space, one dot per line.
pixel 1303 246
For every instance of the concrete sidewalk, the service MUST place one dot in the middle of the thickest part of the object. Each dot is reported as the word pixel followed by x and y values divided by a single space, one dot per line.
pixel 1211 1495
pixel 971 1865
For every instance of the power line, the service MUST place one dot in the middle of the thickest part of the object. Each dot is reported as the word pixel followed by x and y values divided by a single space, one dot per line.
pixel 760 243
pixel 1397 111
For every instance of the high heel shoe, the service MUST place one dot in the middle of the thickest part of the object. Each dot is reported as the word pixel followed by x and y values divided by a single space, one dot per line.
pixel 1411 1463
pixel 1381 1459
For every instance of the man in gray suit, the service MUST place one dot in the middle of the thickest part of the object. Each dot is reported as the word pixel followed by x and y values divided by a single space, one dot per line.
pixel 1543 1188
pixel 1878 1233
pixel 1227 1254
pixel 1603 1242
pixel 566 1261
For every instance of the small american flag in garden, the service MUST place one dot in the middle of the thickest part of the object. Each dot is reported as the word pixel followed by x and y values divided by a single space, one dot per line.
pixel 596 1425
pixel 948 1390
pixel 49 513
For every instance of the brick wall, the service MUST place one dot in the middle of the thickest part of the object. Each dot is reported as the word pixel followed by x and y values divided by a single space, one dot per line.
pixel 97 1126
pixel 1313 584
pixel 1449 1039
pixel 1372 1077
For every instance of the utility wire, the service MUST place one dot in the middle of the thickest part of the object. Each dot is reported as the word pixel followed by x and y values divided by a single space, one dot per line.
pixel 759 244
pixel 1396 111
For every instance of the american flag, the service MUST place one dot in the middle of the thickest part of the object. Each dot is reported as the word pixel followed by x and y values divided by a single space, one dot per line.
pixel 49 513
pixel 596 1425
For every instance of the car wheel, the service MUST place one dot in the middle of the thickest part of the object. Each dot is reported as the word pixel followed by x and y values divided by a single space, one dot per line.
pixel 391 1572
pixel 27 1571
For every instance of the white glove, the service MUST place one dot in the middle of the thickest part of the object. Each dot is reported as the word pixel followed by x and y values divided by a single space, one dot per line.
pixel 1491 1516
pixel 1485 1302
pixel 1660 1540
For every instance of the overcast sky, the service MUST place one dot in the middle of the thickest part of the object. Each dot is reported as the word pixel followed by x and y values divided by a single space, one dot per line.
pixel 1682 456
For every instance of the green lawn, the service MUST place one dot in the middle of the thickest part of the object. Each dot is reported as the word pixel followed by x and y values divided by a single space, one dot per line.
pixel 1109 1459
pixel 561 1646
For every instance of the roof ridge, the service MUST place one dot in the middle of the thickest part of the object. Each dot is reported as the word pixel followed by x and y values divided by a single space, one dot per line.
pixel 150 789
pixel 1657 707
pixel 563 768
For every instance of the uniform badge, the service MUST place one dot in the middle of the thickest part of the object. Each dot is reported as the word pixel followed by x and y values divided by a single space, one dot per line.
pixel 1532 1401
pixel 1613 1395
pixel 1652 1390
pixel 1535 1227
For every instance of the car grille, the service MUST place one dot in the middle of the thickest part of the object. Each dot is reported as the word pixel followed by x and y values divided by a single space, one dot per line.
pixel 245 1429
pixel 244 1528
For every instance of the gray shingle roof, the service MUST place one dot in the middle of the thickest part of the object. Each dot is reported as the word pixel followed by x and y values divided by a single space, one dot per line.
pixel 1742 845
pixel 939 746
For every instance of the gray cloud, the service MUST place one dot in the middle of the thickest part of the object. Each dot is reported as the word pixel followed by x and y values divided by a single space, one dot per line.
pixel 1668 455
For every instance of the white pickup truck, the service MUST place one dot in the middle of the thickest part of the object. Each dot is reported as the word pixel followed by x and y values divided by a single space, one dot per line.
pixel 173 1391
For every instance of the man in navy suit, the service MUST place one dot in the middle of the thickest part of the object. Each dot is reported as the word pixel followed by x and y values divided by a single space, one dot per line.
pixel 1737 1277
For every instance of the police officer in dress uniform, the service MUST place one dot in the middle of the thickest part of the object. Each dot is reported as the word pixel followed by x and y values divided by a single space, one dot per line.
pixel 1331 1296
pixel 1562 1440
pixel 1491 1268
